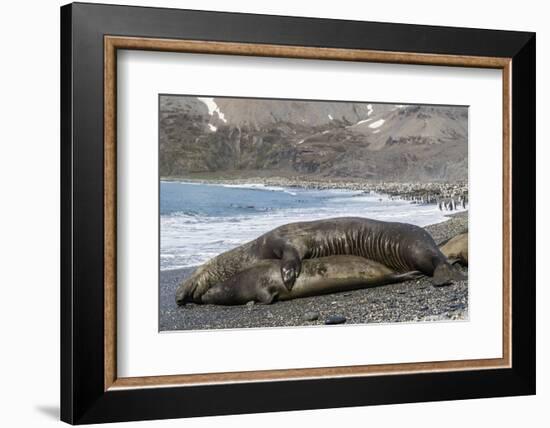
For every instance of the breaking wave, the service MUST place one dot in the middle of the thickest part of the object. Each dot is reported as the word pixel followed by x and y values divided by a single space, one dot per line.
pixel 199 221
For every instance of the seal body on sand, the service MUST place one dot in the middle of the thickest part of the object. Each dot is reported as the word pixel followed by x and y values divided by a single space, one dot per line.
pixel 401 247
pixel 456 249
pixel 263 282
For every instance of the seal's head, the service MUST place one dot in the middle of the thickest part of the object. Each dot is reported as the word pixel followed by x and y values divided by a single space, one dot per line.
pixel 181 294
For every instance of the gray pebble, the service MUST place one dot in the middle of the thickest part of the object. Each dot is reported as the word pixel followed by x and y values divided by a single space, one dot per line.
pixel 335 319
pixel 311 316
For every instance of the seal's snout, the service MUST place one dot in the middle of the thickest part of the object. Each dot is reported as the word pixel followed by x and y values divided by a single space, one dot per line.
pixel 181 295
pixel 445 274
pixel 180 299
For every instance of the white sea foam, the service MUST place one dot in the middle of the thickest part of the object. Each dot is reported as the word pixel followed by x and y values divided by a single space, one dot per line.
pixel 251 186
pixel 254 186
pixel 190 240
pixel 260 186
pixel 212 127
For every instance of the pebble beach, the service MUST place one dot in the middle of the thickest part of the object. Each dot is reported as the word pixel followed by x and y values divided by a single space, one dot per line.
pixel 410 301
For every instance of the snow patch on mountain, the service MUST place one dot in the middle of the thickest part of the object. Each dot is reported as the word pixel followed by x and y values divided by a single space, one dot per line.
pixel 363 121
pixel 370 110
pixel 213 108
pixel 377 124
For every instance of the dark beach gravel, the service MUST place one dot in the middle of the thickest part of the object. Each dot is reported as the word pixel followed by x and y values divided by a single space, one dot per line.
pixel 408 301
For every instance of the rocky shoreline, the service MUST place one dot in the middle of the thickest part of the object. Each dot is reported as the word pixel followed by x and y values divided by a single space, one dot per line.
pixel 449 195
pixel 409 301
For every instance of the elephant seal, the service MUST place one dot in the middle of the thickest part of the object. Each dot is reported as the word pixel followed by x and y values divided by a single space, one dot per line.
pixel 263 282
pixel 400 246
pixel 456 249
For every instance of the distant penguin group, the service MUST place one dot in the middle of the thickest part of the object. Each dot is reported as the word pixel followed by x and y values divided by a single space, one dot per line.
pixel 451 204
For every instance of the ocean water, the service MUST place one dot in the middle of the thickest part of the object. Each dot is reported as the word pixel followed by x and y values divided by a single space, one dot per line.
pixel 200 221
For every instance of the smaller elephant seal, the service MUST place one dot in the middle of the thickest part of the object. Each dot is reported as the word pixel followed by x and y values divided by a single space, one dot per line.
pixel 263 282
pixel 400 246
pixel 456 249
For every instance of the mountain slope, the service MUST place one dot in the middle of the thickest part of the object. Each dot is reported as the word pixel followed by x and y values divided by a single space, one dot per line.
pixel 330 139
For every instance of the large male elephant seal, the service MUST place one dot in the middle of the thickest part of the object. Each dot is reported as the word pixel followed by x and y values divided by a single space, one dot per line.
pixel 400 246
pixel 263 282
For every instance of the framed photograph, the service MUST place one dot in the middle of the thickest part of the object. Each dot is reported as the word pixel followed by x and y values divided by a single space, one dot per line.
pixel 267 213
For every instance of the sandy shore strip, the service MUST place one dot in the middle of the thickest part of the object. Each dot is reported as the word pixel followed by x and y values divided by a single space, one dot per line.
pixel 408 301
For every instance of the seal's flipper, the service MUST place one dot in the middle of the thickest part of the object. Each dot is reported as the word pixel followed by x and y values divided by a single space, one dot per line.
pixel 290 270
pixel 445 274
pixel 407 276
pixel 291 261
pixel 291 266
pixel 266 296
pixel 218 295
